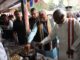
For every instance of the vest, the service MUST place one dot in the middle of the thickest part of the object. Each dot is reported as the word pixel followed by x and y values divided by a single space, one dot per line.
pixel 43 29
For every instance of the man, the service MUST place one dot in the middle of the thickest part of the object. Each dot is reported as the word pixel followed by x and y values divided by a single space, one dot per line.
pixel 34 22
pixel 60 29
pixel 19 29
pixel 70 12
pixel 33 35
pixel 7 26
pixel 45 29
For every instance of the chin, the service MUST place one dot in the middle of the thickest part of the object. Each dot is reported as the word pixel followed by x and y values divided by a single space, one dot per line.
pixel 58 22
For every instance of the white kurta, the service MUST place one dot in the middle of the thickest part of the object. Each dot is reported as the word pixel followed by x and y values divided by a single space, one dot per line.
pixel 62 32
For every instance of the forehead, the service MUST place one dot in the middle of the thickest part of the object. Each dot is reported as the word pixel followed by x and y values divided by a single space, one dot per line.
pixel 35 11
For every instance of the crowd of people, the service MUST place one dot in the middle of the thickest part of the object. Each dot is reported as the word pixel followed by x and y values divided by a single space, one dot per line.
pixel 57 37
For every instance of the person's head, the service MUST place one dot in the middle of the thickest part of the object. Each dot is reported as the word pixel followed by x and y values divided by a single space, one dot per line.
pixel 17 14
pixel 69 8
pixel 59 16
pixel 70 14
pixel 43 15
pixel 34 13
pixel 10 17
pixel 4 17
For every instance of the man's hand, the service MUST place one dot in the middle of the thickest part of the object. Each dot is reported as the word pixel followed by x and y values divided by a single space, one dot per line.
pixel 39 45
pixel 27 47
pixel 36 45
pixel 70 53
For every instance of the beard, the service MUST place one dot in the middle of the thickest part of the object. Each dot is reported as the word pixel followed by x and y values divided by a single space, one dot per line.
pixel 59 21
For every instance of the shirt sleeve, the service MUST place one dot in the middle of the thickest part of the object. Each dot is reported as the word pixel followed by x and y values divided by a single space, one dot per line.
pixel 50 37
pixel 77 30
pixel 32 34
pixel 3 55
pixel 10 24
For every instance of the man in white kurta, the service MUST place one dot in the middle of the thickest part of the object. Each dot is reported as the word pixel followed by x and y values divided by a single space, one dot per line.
pixel 60 29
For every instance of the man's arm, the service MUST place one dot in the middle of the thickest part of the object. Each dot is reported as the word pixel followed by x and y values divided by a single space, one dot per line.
pixel 32 34
pixel 77 31
pixel 15 36
pixel 50 37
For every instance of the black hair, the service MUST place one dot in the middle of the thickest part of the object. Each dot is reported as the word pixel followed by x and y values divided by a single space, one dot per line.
pixel 10 16
pixel 32 10
pixel 16 11
pixel 58 13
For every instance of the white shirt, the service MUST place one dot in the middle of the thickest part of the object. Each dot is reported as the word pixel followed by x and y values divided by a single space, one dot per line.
pixel 10 26
pixel 3 55
pixel 62 32
pixel 32 33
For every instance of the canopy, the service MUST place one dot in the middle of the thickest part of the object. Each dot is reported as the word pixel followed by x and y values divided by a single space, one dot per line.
pixel 4 4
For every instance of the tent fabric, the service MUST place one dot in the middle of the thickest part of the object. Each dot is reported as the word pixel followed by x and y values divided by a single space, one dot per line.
pixel 6 4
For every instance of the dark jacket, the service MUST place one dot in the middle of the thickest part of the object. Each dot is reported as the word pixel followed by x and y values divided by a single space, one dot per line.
pixel 19 28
